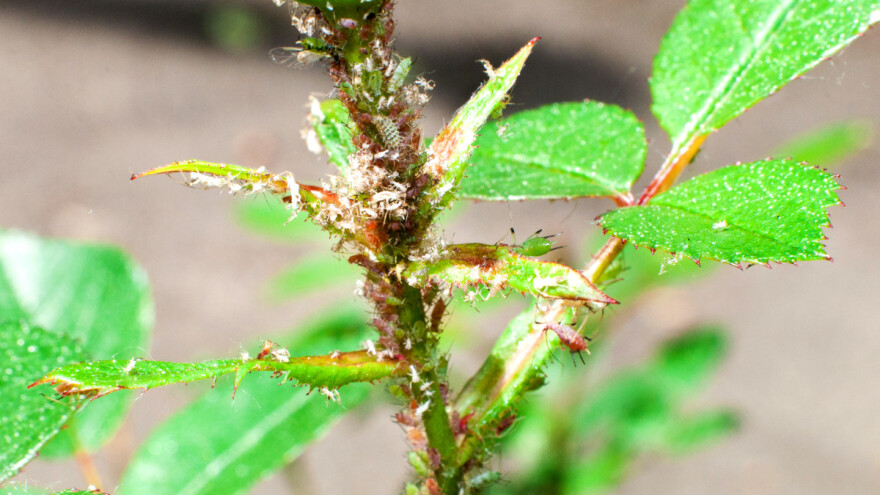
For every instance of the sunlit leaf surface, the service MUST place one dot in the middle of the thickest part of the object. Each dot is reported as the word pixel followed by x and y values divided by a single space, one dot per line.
pixel 722 56
pixel 564 150
pixel 766 211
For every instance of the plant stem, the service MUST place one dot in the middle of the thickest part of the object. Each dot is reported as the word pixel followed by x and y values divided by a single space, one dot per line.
pixel 675 163
pixel 84 460
pixel 515 364
pixel 87 468
pixel 603 258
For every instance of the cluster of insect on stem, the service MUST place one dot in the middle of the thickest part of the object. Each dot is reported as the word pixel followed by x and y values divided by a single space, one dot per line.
pixel 384 203
pixel 381 196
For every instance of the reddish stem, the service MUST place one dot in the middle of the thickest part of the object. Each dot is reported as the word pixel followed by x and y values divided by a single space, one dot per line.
pixel 677 160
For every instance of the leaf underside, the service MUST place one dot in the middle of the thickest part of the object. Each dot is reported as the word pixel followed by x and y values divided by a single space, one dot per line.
pixel 564 150
pixel 760 212
pixel 92 293
pixel 28 418
pixel 497 267
pixel 722 56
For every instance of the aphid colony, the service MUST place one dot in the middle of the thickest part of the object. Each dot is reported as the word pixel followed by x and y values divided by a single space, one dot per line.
pixel 377 196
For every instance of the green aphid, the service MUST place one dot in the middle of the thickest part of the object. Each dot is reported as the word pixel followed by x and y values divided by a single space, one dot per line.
pixel 536 245
pixel 499 108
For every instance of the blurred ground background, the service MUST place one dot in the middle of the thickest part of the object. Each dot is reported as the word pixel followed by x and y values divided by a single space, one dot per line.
pixel 95 90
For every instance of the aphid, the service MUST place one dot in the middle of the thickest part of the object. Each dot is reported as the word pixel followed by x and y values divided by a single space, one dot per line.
pixel 570 338
pixel 268 347
pixel 388 130
pixel 422 409
pixel 305 53
pixel 369 346
pixel 535 245
pixel 130 366
pixel 437 313
pixel 331 394
pixel 414 374
pixel 281 355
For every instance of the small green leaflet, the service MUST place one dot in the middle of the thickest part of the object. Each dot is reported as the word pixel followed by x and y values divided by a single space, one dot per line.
pixel 333 371
pixel 220 446
pixel 92 293
pixel 722 56
pixel 760 212
pixel 450 149
pixel 564 150
pixel 829 145
pixel 29 418
pixel 334 130
pixel 499 267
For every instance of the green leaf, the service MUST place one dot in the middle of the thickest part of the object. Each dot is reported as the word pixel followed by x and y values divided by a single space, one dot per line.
pixel 218 446
pixel 268 216
pixel 28 418
pixel 686 361
pixel 758 212
pixel 334 129
pixel 93 293
pixel 722 56
pixel 310 275
pixel 449 151
pixel 100 378
pixel 693 432
pixel 829 145
pixel 564 150
pixel 599 473
pixel 498 267
pixel 632 408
